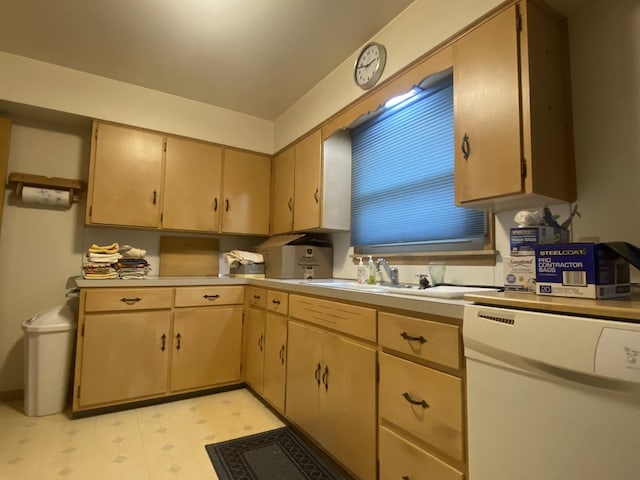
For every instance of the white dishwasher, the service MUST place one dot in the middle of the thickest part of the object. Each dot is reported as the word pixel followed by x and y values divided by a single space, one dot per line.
pixel 551 396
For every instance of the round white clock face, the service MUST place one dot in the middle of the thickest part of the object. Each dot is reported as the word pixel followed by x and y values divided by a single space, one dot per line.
pixel 370 65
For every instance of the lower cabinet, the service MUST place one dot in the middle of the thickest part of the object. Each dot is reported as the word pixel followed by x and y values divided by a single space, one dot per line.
pixel 331 395
pixel 422 432
pixel 265 343
pixel 140 343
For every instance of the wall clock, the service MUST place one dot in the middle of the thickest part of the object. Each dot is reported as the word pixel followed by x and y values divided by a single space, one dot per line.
pixel 369 66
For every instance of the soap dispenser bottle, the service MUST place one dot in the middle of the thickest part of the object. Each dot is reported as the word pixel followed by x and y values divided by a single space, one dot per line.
pixel 371 271
pixel 362 272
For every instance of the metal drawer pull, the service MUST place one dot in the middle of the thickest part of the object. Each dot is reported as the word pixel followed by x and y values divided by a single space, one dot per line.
pixel 290 204
pixel 164 342
pixel 316 374
pixel 178 338
pixel 260 341
pixel 256 297
pixel 211 297
pixel 281 354
pixel 325 379
pixel 275 301
pixel 130 301
pixel 315 195
pixel 215 204
pixel 409 338
pixel 404 477
pixel 465 147
pixel 408 398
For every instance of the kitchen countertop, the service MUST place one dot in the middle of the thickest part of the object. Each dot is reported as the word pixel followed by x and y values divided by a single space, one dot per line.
pixel 452 308
pixel 616 308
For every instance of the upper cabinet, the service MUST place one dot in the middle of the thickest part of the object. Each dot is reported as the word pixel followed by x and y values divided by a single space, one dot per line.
pixel 139 178
pixel 513 133
pixel 282 191
pixel 312 185
pixel 246 192
pixel 125 176
pixel 193 176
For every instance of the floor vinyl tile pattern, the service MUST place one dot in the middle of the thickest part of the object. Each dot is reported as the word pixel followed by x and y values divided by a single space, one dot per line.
pixel 158 442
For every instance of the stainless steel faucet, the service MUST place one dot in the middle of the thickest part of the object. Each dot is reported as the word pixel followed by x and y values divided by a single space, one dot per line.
pixel 392 272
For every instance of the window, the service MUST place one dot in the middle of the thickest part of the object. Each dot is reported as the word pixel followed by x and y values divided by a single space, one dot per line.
pixel 403 180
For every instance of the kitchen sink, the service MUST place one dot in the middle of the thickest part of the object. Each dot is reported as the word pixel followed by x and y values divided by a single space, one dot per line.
pixel 440 291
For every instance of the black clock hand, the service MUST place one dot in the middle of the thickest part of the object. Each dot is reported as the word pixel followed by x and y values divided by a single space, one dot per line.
pixel 366 65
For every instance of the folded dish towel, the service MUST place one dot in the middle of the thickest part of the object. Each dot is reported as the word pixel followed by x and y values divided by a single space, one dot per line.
pixel 108 249
pixel 127 251
pixel 242 257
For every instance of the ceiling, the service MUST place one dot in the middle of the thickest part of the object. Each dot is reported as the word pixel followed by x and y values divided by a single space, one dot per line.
pixel 252 56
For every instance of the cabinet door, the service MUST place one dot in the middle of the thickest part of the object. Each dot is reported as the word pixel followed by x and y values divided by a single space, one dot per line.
pixel 304 370
pixel 125 177
pixel 487 110
pixel 192 181
pixel 207 346
pixel 348 404
pixel 246 192
pixel 275 359
pixel 254 347
pixel 282 192
pixel 125 356
pixel 308 181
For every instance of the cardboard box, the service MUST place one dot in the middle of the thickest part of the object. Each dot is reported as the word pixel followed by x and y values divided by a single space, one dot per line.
pixel 294 256
pixel 586 270
pixel 520 273
pixel 523 239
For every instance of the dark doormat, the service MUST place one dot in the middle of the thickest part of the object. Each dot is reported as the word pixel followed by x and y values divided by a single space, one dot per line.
pixel 279 454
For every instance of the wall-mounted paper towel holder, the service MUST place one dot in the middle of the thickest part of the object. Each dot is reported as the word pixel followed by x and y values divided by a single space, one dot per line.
pixel 51 190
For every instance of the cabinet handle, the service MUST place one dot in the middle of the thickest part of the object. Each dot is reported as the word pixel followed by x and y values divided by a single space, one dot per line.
pixel 408 398
pixel 130 301
pixel 215 204
pixel 325 379
pixel 211 297
pixel 404 477
pixel 409 338
pixel 281 354
pixel 164 342
pixel 315 195
pixel 275 301
pixel 290 204
pixel 178 339
pixel 256 297
pixel 466 148
pixel 155 197
pixel 260 341
pixel 316 374
pixel 226 205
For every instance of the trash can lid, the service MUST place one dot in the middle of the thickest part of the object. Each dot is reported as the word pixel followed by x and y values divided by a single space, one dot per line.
pixel 55 319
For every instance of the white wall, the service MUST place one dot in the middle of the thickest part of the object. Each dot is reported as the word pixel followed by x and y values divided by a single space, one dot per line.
pixel 41 84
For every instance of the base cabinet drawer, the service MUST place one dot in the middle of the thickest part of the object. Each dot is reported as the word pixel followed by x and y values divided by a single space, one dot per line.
pixel 424 402
pixel 401 459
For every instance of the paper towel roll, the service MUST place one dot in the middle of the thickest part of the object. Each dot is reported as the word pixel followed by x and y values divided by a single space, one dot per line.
pixel 46 196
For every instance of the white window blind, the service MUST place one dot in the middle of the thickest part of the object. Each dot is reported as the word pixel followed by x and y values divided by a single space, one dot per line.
pixel 403 178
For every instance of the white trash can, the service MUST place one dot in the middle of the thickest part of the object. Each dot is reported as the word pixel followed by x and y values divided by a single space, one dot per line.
pixel 49 342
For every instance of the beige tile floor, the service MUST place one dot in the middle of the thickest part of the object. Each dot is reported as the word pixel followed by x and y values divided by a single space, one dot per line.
pixel 159 442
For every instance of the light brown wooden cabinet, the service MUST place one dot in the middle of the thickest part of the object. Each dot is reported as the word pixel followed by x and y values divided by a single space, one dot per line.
pixel 265 337
pixel 422 431
pixel 282 191
pixel 140 178
pixel 125 176
pixel 513 125
pixel 331 385
pixel 140 343
pixel 206 337
pixel 312 185
pixel 246 192
pixel 192 183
